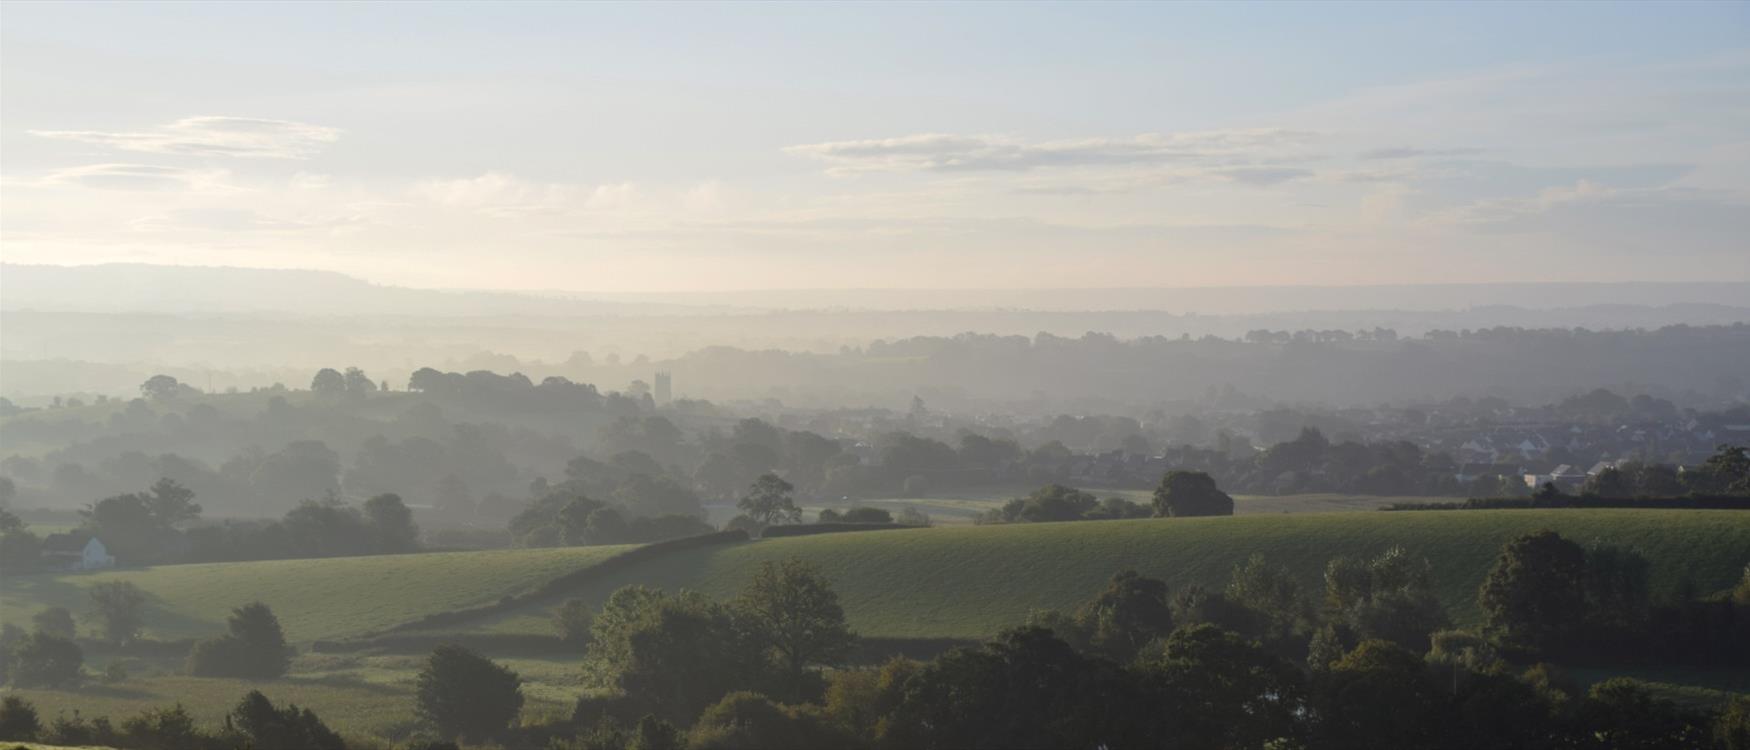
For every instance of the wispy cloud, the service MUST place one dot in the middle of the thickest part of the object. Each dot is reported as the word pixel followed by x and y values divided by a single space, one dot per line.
pixel 244 137
pixel 939 152
pixel 137 177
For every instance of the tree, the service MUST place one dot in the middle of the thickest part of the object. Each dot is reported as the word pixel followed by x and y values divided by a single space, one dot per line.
pixel 791 610
pixel 1025 689
pixel 255 647
pixel 573 619
pixel 161 388
pixel 768 501
pixel 55 621
pixel 1226 691
pixel 393 522
pixel 328 381
pixel 8 491
pixel 1535 596
pixel 170 503
pixel 670 655
pixel 465 695
pixel 120 609
pixel 1389 597
pixel 1272 593
pixel 18 720
pixel 269 727
pixel 43 660
pixel 749 721
pixel 1132 611
pixel 356 382
pixel 1731 729
pixel 1191 493
pixel 1379 695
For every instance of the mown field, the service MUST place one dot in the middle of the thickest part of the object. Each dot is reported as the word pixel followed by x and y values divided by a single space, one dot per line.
pixel 968 582
pixel 315 599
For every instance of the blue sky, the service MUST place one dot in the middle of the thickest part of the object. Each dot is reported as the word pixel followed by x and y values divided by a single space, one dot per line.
pixel 722 146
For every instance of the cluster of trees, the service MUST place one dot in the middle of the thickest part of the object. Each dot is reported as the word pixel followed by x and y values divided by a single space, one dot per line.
pixel 254 723
pixel 49 655
pixel 1181 493
pixel 1727 472
pixel 162 525
pixel 254 648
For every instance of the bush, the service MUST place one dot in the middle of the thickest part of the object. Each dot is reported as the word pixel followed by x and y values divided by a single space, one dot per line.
pixel 43 660
pixel 272 728
pixel 572 620
pixel 18 720
pixel 752 721
pixel 465 695
pixel 256 647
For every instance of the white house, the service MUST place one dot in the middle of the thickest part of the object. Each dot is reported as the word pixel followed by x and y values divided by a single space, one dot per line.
pixel 75 550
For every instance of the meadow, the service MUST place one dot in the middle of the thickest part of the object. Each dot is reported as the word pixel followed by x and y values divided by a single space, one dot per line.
pixel 970 581
pixel 315 599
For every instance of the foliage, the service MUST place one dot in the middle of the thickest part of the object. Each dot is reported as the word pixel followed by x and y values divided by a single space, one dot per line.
pixel 465 695
pixel 1191 493
pixel 790 609
pixel 18 719
pixel 669 655
pixel 120 608
pixel 573 620
pixel 55 621
pixel 768 501
pixel 1534 597
pixel 44 660
pixel 750 721
pixel 269 727
pixel 1227 691
pixel 256 647
pixel 1390 597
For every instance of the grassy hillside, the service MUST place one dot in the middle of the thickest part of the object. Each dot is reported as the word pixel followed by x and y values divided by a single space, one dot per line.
pixel 970 581
pixel 331 598
pixel 961 581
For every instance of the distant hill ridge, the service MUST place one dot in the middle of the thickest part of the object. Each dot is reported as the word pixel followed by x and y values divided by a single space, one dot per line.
pixel 126 287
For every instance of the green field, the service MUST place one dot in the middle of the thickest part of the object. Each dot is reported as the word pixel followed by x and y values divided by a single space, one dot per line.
pixel 968 582
pixel 315 599
pixel 945 582
pixel 957 581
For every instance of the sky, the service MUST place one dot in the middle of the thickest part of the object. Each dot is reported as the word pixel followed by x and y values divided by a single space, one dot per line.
pixel 680 147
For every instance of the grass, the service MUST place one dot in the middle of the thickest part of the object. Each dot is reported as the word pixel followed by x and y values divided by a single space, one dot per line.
pixel 314 599
pixel 950 581
pixel 357 696
pixel 968 582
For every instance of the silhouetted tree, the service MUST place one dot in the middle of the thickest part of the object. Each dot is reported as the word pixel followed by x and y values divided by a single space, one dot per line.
pixel 768 502
pixel 1535 597
pixel 1191 493
pixel 120 609
pixel 465 695
pixel 790 609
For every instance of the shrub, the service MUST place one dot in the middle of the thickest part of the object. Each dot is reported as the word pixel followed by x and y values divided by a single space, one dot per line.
pixel 256 647
pixel 43 660
pixel 465 695
pixel 18 720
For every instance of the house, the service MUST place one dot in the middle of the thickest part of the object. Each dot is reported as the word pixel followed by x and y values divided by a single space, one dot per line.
pixel 1561 476
pixel 75 550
